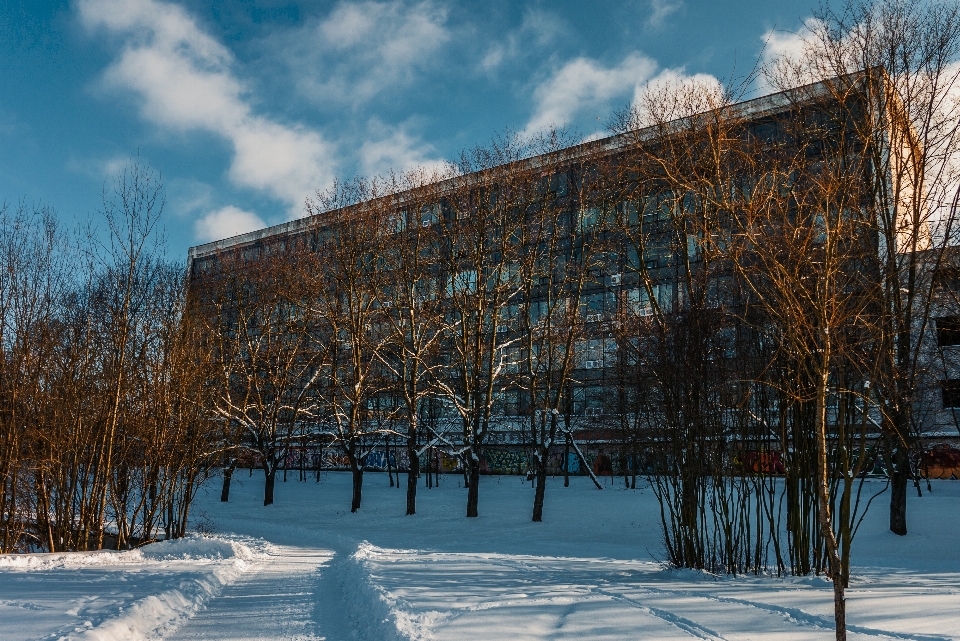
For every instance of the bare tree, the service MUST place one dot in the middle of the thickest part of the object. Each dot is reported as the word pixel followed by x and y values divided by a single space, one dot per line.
pixel 479 263
pixel 563 238
pixel 411 303
pixel 808 255
pixel 33 278
pixel 678 321
pixel 268 359
pixel 350 275
pixel 128 258
pixel 892 67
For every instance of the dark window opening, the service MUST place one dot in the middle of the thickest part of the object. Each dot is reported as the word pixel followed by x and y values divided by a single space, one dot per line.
pixel 951 393
pixel 947 278
pixel 948 331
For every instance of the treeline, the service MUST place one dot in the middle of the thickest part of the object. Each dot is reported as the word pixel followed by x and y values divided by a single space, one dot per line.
pixel 104 433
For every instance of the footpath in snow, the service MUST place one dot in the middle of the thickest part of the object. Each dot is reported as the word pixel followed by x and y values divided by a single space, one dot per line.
pixel 306 568
pixel 276 599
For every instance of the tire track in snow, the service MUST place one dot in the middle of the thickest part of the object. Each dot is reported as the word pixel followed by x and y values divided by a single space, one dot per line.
pixel 795 615
pixel 530 567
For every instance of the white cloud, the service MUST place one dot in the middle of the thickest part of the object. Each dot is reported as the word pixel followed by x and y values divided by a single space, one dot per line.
pixel 677 79
pixel 185 81
pixel 660 10
pixel 583 83
pixel 789 44
pixel 786 46
pixel 537 30
pixel 673 94
pixel 362 49
pixel 226 222
pixel 394 149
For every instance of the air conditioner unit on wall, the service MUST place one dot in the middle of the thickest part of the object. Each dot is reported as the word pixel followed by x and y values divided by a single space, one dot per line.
pixel 592 365
pixel 615 279
pixel 594 318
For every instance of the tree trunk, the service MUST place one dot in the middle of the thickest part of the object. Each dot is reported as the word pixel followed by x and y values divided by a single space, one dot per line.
pixel 899 478
pixel 185 514
pixel 386 451
pixel 225 492
pixel 473 492
pixel 823 492
pixel 566 462
pixel 270 477
pixel 412 474
pixel 541 480
pixel 357 485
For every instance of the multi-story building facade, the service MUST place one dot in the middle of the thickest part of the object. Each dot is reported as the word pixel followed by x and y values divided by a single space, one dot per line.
pixel 597 286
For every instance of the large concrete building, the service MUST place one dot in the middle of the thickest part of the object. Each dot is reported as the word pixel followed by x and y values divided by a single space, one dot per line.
pixel 649 252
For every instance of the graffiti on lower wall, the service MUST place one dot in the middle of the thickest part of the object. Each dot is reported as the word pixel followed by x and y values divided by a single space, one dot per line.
pixel 495 460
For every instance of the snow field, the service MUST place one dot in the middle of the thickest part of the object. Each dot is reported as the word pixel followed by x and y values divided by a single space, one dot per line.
pixel 591 570
pixel 307 569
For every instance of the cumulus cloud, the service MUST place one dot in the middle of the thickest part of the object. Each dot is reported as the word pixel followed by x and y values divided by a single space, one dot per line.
pixel 361 49
pixel 583 84
pixel 788 44
pixel 226 222
pixel 185 81
pixel 673 94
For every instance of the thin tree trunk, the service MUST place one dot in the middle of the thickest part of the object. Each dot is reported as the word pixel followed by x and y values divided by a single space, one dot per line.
pixel 823 490
pixel 187 497
pixel 899 479
pixel 270 475
pixel 386 450
pixel 357 484
pixel 541 480
pixel 413 473
pixel 473 492
pixel 227 476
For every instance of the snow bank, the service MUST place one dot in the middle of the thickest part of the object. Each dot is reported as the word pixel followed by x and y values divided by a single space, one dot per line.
pixel 197 547
pixel 371 612
pixel 221 561
pixel 194 547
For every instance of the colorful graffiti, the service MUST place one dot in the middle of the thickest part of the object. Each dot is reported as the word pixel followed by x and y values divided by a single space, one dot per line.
pixel 505 462
pixel 497 460
pixel 940 462
pixel 438 460
pixel 770 462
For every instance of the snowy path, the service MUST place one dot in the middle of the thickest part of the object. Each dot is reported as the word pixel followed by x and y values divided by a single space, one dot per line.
pixel 275 600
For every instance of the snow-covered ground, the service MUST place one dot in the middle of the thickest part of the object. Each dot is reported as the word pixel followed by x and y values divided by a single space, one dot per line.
pixel 305 568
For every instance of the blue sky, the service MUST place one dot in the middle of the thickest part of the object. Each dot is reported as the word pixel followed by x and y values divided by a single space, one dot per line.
pixel 248 107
